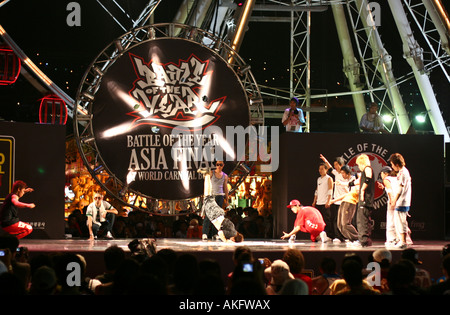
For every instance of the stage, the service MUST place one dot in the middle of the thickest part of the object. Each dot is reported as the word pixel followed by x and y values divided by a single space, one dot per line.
pixel 429 251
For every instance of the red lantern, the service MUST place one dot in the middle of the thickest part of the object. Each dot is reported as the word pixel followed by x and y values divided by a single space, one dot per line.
pixel 53 110
pixel 9 66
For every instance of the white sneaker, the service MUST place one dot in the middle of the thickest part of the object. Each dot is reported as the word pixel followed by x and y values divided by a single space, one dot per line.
pixel 336 241
pixel 323 236
pixel 204 237
pixel 356 244
pixel 292 239
pixel 401 245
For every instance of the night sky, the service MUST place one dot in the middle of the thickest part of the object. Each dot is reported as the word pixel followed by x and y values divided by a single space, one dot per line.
pixel 64 53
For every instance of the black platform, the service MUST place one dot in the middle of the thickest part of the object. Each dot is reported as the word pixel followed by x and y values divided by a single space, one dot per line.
pixel 429 251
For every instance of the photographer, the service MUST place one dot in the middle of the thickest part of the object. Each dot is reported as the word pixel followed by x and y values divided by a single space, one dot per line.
pixel 293 117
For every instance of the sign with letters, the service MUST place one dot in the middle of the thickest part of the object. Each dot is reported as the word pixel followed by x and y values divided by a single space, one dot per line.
pixel 154 111
pixel 7 159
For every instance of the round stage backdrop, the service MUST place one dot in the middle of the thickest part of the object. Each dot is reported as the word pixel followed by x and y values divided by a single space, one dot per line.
pixel 161 111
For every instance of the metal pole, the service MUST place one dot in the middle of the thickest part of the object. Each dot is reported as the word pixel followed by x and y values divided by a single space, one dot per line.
pixel 384 67
pixel 351 65
pixel 413 54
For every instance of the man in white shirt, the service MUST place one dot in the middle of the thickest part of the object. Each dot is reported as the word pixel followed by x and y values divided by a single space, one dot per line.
pixel 100 213
pixel 293 117
pixel 322 198
pixel 402 200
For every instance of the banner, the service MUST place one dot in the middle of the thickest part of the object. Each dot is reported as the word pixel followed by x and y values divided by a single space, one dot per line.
pixel 7 159
pixel 35 154
pixel 297 175
pixel 155 113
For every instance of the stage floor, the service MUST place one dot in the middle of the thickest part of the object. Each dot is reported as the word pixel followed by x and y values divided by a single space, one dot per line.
pixel 429 251
pixel 194 245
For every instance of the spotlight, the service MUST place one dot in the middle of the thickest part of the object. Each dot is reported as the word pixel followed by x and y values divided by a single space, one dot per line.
pixel 118 45
pixel 97 71
pixel 88 96
pixel 256 101
pixel 244 69
pixel 421 118
pixel 99 169
pixel 387 118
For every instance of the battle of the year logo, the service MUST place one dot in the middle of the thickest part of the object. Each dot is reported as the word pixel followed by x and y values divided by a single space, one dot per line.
pixel 160 113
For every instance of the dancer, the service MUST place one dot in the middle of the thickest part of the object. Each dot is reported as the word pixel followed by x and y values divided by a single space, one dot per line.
pixel 100 213
pixel 226 230
pixel 322 198
pixel 219 188
pixel 364 221
pixel 9 215
pixel 402 201
pixel 308 220
pixel 389 183
pixel 347 209
pixel 341 187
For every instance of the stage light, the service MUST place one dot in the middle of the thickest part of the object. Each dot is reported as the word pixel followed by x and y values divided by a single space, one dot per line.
pixel 98 71
pixel 118 45
pixel 99 169
pixel 244 69
pixel 421 118
pixel 256 101
pixel 89 96
pixel 387 118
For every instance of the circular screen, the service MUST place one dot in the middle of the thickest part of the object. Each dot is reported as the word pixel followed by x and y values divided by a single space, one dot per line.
pixel 162 111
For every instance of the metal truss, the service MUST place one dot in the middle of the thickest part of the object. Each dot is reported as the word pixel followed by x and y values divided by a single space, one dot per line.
pixel 437 42
pixel 376 65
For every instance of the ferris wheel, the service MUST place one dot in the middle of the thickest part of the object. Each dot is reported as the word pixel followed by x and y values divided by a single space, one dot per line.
pixel 221 25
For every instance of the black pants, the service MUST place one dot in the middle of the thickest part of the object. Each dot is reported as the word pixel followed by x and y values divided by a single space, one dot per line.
pixel 108 224
pixel 336 233
pixel 365 224
pixel 326 215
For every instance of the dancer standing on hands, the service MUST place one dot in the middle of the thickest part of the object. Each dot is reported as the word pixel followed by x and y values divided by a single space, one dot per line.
pixel 226 230
pixel 219 188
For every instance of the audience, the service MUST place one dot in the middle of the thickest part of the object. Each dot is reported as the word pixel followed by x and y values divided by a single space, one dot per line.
pixel 352 271
pixel 166 272
pixel 296 261
pixel 321 284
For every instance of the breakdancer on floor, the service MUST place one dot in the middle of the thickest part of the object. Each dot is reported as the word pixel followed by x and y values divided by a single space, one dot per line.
pixel 226 229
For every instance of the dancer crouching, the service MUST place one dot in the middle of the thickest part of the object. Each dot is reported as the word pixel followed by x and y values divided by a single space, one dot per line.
pixel 226 229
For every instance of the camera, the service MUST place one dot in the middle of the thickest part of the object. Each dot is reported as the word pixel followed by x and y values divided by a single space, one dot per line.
pixel 247 267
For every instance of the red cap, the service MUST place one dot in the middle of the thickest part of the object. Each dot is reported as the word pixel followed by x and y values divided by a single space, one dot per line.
pixel 294 203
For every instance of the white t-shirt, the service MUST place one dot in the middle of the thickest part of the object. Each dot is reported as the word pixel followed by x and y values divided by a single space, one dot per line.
pixel 404 187
pixel 294 123
pixel 393 190
pixel 322 191
pixel 98 214
pixel 340 185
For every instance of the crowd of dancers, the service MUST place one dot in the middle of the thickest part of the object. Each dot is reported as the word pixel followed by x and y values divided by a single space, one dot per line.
pixel 343 203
